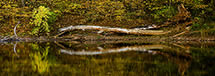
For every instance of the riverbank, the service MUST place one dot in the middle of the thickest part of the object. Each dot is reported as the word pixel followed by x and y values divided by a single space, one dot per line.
pixel 44 18
pixel 111 38
pixel 170 21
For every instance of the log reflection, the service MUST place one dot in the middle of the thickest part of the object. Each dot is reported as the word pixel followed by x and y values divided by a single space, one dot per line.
pixel 143 48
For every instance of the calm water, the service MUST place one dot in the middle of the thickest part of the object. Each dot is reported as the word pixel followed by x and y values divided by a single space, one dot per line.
pixel 107 58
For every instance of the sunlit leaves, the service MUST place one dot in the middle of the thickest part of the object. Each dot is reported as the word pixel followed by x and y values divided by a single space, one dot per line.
pixel 68 7
pixel 156 11
pixel 40 17
pixel 106 10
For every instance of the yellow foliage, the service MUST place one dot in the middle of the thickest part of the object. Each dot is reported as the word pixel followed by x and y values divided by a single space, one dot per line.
pixel 40 20
pixel 40 62
pixel 100 10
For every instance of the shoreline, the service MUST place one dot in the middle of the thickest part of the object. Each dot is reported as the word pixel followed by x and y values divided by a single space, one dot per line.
pixel 108 38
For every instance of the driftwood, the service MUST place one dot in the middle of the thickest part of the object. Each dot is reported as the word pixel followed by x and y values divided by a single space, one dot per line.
pixel 110 29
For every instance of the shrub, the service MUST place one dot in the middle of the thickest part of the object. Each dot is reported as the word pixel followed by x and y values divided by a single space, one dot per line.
pixel 42 17
pixel 162 14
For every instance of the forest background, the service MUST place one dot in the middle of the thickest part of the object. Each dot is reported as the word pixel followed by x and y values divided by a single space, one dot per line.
pixel 44 17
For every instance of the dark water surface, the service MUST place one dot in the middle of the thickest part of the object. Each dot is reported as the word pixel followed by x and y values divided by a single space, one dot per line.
pixel 107 58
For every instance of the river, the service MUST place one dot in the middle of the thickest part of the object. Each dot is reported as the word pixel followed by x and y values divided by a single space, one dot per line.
pixel 98 58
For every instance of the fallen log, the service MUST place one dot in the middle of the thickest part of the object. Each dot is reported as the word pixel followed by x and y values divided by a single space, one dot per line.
pixel 112 29
pixel 182 19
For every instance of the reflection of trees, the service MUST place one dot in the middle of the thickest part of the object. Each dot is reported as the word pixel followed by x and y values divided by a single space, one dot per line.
pixel 168 59
pixel 203 60
pixel 39 60
pixel 34 59
pixel 131 63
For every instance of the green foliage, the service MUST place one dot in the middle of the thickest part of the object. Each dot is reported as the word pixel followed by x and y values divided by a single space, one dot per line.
pixel 12 10
pixel 41 18
pixel 197 26
pixel 93 11
pixel 156 9
pixel 73 8
pixel 52 17
pixel 163 14
pixel 68 7
pixel 201 24
pixel 100 10
pixel 135 8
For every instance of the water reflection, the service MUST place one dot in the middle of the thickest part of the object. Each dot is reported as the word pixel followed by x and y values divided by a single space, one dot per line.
pixel 107 58
pixel 39 59
pixel 100 50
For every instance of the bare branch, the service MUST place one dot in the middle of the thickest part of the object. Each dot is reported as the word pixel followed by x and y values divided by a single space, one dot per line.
pixel 14 30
